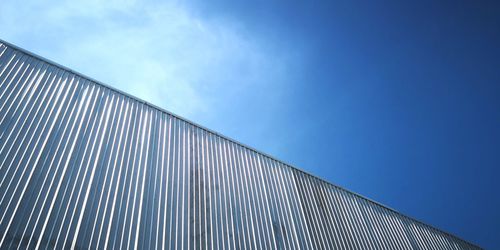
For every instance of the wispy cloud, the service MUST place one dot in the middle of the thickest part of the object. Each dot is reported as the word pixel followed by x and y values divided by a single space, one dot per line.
pixel 160 52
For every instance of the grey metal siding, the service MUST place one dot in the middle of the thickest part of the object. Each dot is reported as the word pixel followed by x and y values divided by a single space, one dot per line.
pixel 85 166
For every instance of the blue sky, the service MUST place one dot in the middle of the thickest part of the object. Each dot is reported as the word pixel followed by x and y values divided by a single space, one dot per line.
pixel 397 101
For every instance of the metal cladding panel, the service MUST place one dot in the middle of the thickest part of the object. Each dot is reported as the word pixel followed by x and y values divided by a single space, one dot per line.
pixel 85 166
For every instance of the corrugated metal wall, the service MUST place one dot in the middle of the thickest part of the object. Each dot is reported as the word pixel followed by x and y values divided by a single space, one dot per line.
pixel 85 166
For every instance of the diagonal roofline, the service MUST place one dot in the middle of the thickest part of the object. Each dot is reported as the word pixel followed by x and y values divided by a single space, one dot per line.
pixel 15 47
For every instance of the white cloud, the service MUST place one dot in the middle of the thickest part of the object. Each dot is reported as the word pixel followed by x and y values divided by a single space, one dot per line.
pixel 159 52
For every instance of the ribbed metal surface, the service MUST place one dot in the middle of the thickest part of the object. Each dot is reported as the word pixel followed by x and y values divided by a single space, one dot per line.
pixel 85 166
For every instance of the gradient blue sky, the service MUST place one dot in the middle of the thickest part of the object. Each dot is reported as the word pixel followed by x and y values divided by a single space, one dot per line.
pixel 397 101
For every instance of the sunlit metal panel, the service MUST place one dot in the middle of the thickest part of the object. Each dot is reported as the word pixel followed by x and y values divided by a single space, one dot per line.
pixel 83 165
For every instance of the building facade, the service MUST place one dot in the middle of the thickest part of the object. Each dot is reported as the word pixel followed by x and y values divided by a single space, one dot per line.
pixel 83 165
